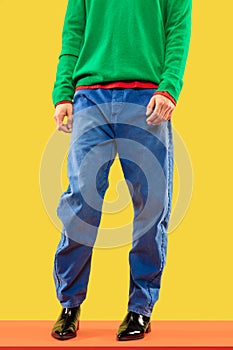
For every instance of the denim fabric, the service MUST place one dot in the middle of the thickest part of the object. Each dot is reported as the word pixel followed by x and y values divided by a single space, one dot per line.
pixel 107 122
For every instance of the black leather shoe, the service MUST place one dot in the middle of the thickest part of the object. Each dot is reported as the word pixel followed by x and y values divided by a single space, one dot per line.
pixel 67 324
pixel 133 327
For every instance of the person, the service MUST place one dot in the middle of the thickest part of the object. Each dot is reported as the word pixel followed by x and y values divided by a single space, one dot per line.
pixel 118 79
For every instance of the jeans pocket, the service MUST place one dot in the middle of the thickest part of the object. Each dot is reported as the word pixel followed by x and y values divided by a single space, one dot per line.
pixel 146 95
pixel 76 95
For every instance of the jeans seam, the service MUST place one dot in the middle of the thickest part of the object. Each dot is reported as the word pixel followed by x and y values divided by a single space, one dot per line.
pixel 170 170
pixel 55 263
pixel 163 255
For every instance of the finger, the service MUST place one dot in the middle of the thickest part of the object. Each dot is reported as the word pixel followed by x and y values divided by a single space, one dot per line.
pixel 63 127
pixel 59 117
pixel 156 113
pixel 69 117
pixel 58 120
pixel 169 115
pixel 60 124
pixel 156 121
pixel 67 128
pixel 162 118
pixel 150 106
pixel 166 114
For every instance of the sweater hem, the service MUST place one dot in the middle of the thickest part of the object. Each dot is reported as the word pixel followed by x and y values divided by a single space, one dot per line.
pixel 120 84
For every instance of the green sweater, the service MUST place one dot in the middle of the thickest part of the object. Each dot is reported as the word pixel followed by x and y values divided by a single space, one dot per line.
pixel 117 40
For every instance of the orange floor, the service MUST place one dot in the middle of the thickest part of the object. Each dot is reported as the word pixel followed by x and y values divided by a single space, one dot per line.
pixel 101 334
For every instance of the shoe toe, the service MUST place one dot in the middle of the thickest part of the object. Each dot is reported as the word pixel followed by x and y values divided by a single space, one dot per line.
pixel 130 335
pixel 67 333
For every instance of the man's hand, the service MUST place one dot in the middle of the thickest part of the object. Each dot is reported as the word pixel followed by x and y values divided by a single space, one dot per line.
pixel 163 109
pixel 64 110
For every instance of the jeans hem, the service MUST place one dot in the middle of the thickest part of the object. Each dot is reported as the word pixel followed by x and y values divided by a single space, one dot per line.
pixel 140 311
pixel 70 304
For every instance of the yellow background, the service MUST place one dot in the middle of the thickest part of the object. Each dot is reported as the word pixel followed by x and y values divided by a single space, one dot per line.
pixel 197 281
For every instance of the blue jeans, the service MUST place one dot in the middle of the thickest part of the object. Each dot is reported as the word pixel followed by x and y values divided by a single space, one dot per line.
pixel 107 122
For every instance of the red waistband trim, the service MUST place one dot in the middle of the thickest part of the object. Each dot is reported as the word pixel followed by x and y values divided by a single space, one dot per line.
pixel 120 84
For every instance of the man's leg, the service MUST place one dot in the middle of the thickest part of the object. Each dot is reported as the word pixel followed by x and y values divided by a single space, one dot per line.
pixel 92 146
pixel 148 168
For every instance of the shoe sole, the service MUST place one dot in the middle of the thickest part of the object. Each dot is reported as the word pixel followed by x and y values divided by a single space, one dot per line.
pixel 65 337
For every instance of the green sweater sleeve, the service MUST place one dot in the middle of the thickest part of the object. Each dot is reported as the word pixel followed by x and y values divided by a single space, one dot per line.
pixel 177 23
pixel 72 36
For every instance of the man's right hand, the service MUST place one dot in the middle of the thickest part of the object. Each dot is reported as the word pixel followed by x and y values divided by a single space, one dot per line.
pixel 64 110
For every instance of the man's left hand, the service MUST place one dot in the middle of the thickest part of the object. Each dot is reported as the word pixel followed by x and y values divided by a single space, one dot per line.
pixel 159 109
